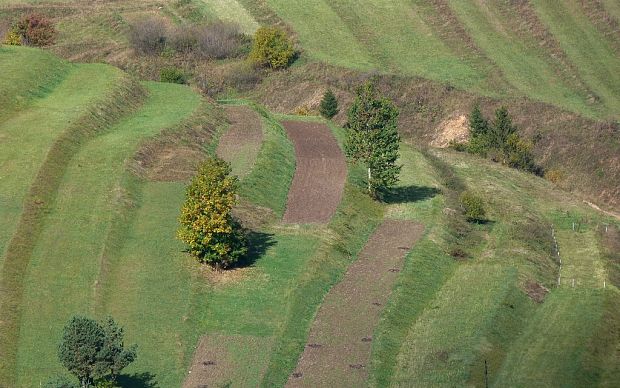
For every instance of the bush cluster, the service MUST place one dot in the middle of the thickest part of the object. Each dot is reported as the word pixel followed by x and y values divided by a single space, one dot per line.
pixel 32 30
pixel 154 36
pixel 500 141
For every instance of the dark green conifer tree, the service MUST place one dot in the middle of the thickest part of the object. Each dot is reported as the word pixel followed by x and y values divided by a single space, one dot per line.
pixel 329 105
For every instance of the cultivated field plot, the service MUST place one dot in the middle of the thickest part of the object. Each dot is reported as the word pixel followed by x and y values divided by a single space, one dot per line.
pixel 320 173
pixel 338 348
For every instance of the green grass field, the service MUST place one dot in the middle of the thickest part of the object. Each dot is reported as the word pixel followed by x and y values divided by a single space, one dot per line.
pixel 82 231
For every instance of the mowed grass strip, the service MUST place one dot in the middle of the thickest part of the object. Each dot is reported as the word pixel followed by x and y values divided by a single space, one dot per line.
pixel 27 73
pixel 445 339
pixel 233 11
pixel 581 259
pixel 553 346
pixel 66 260
pixel 324 34
pixel 28 135
pixel 523 63
pixel 268 183
pixel 119 100
pixel 598 63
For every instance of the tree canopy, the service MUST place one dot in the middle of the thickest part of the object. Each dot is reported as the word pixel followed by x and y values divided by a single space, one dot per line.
pixel 372 137
pixel 94 351
pixel 208 226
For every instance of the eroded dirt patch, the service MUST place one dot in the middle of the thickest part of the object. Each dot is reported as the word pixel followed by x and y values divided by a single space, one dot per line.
pixel 451 130
pixel 320 174
pixel 240 144
pixel 223 360
pixel 536 291
pixel 340 340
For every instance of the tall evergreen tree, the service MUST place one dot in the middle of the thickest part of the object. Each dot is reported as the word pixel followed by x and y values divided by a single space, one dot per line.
pixel 478 131
pixel 372 137
pixel 502 129
pixel 478 125
pixel 329 105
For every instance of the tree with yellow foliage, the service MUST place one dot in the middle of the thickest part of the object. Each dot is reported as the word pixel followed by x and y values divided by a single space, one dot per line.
pixel 208 226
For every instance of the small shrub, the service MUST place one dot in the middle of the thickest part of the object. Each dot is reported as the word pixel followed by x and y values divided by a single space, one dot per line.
pixel 213 234
pixel 473 206
pixel 457 146
pixel 554 176
pixel 13 39
pixel 172 75
pixel 272 48
pixel 35 30
pixel 302 111
pixel 149 36
pixel 329 105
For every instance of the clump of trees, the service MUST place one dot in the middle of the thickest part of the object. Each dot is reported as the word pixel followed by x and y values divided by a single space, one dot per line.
pixel 372 138
pixel 32 30
pixel 272 48
pixel 499 140
pixel 329 105
pixel 473 206
pixel 208 227
pixel 93 352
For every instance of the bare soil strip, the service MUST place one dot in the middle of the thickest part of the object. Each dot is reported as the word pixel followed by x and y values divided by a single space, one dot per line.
pixel 338 350
pixel 240 144
pixel 320 174
pixel 223 360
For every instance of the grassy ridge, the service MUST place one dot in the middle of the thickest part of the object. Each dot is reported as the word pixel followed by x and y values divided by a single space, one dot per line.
pixel 27 73
pixel 117 100
pixel 67 256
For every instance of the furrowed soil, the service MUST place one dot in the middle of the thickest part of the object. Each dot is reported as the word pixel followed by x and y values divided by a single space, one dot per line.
pixel 339 345
pixel 320 174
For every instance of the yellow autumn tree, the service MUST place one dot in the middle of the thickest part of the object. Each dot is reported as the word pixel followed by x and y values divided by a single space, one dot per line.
pixel 208 226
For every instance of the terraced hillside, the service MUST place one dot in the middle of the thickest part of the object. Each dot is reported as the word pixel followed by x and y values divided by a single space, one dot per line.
pixel 94 163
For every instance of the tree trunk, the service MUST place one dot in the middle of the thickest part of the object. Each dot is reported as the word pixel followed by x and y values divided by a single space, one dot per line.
pixel 369 178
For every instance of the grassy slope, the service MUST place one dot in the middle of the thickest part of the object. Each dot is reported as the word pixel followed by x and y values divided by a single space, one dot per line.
pixel 67 258
pixel 497 57
pixel 233 11
pixel 27 73
pixel 27 138
pixel 447 347
pixel 596 60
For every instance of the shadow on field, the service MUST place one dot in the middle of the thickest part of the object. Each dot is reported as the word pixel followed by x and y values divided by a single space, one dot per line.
pixel 258 244
pixel 405 194
pixel 138 380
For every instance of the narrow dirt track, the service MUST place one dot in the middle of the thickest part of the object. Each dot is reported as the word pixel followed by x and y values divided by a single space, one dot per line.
pixel 241 143
pixel 320 174
pixel 338 350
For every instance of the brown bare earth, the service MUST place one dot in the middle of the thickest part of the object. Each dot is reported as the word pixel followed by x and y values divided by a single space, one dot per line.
pixel 338 350
pixel 240 144
pixel 320 174
pixel 213 362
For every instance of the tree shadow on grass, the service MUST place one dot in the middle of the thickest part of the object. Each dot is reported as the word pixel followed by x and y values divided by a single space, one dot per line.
pixel 258 244
pixel 138 380
pixel 411 193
